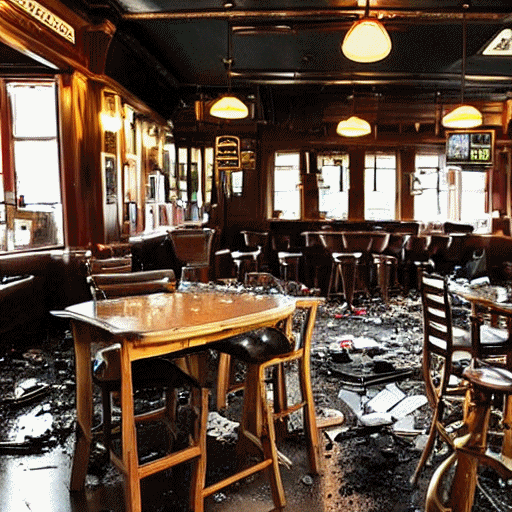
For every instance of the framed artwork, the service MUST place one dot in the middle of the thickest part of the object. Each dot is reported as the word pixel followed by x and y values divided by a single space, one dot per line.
pixel 109 169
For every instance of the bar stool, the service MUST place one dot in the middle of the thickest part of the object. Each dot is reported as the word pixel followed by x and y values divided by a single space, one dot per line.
pixel 253 255
pixel 288 257
pixel 271 348
pixel 349 251
pixel 380 261
pixel 416 260
pixel 489 386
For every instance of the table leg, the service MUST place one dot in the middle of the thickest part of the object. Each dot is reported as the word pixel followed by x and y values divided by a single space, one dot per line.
pixel 128 434
pixel 83 337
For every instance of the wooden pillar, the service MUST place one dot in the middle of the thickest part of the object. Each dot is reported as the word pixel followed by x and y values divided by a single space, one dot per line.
pixel 356 192
pixel 406 168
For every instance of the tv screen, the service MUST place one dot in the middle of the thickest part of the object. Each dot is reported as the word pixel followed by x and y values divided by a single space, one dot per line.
pixel 470 148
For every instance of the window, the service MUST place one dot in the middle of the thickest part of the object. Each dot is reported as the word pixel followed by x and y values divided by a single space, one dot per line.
pixel 430 188
pixel 286 185
pixel 449 193
pixel 38 217
pixel 380 186
pixel 333 185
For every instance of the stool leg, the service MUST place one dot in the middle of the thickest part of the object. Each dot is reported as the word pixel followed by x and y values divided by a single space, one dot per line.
pixel 280 398
pixel 223 376
pixel 348 278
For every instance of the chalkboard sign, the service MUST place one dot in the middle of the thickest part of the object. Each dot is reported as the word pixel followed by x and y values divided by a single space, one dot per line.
pixel 470 148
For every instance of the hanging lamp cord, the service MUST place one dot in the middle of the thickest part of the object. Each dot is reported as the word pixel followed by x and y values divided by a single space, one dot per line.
pixel 464 36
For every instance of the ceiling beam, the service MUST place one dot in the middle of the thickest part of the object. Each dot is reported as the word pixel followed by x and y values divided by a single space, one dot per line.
pixel 494 14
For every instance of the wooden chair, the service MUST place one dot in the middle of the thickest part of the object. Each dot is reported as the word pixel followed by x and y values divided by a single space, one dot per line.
pixel 442 344
pixel 268 349
pixel 192 248
pixel 153 373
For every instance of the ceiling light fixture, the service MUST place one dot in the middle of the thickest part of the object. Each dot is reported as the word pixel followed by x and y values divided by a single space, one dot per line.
pixel 367 40
pixel 353 126
pixel 464 116
pixel 228 106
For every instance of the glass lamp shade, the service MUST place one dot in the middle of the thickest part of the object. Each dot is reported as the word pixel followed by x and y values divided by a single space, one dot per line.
pixel 229 107
pixel 464 116
pixel 366 41
pixel 353 127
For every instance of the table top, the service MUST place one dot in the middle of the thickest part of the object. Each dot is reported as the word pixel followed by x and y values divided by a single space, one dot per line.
pixel 492 297
pixel 179 314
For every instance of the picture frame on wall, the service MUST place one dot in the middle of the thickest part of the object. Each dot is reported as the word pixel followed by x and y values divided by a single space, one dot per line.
pixel 109 171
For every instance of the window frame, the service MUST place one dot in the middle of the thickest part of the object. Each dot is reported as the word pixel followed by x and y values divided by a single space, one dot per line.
pixel 11 200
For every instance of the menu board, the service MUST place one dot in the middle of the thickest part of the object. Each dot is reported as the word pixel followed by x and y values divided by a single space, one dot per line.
pixel 470 148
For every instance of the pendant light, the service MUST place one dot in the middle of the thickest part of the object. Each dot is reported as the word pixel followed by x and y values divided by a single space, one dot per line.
pixel 464 116
pixel 228 106
pixel 353 126
pixel 367 40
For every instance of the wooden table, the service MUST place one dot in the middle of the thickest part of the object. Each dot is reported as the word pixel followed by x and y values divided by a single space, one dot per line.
pixel 148 326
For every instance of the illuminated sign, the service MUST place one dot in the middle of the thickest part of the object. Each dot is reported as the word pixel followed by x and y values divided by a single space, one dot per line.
pixel 470 148
pixel 46 17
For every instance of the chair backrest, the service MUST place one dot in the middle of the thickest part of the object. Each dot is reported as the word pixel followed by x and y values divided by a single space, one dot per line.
pixel 192 247
pixel 109 265
pixel 437 324
pixel 107 286
pixel 310 307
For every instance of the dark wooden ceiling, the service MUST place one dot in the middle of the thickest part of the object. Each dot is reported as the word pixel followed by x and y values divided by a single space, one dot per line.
pixel 287 53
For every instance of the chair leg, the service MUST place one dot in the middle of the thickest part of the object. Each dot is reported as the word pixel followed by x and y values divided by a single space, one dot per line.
pixel 429 445
pixel 268 439
pixel 309 415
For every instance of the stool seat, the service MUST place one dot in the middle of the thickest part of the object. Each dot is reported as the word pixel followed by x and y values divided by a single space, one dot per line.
pixel 490 377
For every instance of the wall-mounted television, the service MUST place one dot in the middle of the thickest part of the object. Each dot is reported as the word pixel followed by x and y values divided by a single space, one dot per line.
pixel 470 148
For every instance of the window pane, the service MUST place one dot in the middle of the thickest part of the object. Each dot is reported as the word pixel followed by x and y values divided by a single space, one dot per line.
pixel 36 179
pixel 430 188
pixel 286 185
pixel 380 186
pixel 33 110
pixel 334 185
pixel 473 201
